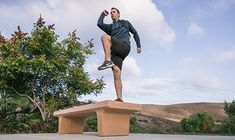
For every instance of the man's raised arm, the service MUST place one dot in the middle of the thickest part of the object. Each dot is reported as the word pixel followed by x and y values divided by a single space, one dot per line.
pixel 105 27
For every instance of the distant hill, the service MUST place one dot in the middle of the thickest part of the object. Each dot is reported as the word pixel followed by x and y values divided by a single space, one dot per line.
pixel 166 118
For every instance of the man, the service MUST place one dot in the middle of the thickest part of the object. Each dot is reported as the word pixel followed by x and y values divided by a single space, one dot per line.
pixel 116 45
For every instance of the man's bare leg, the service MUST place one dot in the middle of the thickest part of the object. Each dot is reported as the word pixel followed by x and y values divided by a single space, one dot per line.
pixel 117 81
pixel 106 41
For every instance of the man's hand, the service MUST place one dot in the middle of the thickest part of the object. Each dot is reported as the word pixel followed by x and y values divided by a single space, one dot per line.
pixel 139 50
pixel 106 12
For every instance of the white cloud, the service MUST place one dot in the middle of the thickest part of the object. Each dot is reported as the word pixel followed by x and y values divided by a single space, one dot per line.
pixel 193 75
pixel 202 80
pixel 150 22
pixel 155 86
pixel 147 87
pixel 187 61
pixel 130 67
pixel 197 87
pixel 140 90
pixel 195 30
pixel 226 56
pixel 83 15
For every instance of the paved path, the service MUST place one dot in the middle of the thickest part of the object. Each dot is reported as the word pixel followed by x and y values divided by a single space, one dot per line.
pixel 93 136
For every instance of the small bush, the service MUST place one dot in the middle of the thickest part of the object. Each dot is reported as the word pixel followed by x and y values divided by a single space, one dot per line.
pixel 197 123
pixel 134 128
pixel 91 124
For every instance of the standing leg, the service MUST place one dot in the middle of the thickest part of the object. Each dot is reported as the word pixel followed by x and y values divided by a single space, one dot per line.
pixel 117 82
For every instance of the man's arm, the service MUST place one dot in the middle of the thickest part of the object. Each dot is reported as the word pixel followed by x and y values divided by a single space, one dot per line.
pixel 105 27
pixel 136 36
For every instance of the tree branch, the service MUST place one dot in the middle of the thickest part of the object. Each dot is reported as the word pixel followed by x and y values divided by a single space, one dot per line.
pixel 33 101
pixel 34 96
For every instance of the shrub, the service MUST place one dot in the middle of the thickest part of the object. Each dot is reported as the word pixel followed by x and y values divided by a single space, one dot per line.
pixel 197 123
pixel 134 128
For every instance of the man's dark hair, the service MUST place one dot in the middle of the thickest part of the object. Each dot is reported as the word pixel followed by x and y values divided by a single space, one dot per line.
pixel 115 9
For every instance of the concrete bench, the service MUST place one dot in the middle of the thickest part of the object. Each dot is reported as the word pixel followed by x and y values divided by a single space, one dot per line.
pixel 112 117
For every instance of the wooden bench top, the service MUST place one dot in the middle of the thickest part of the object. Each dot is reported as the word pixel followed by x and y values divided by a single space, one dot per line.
pixel 90 109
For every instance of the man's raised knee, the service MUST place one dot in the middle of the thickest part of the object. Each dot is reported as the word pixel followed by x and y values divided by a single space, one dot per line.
pixel 105 37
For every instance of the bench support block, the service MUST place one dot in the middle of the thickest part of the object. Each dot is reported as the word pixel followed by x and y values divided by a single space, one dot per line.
pixel 113 122
pixel 71 125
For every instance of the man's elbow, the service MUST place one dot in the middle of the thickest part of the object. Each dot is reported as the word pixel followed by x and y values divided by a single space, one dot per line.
pixel 98 24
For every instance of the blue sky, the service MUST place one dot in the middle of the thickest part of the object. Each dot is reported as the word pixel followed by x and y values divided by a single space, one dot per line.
pixel 188 45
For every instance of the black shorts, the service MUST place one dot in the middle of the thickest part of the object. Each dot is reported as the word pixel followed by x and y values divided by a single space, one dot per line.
pixel 119 51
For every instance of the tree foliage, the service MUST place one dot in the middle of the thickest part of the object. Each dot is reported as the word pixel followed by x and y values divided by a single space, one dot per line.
pixel 230 109
pixel 197 123
pixel 39 74
pixel 229 123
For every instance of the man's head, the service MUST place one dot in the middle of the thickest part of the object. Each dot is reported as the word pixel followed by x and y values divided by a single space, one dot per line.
pixel 115 13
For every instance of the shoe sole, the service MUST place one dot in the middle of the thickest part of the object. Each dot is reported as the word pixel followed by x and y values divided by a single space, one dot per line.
pixel 119 100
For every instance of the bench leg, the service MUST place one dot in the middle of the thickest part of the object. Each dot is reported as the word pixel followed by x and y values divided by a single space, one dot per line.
pixel 113 123
pixel 71 125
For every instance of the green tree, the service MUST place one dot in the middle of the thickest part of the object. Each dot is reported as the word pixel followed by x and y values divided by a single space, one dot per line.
pixel 229 123
pixel 197 123
pixel 46 74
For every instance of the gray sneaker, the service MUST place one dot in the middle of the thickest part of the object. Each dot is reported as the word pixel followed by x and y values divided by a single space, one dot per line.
pixel 106 64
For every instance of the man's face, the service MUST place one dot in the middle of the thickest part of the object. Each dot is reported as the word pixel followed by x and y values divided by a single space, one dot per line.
pixel 114 14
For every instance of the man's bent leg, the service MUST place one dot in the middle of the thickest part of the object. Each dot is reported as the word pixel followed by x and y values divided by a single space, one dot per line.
pixel 117 82
pixel 106 41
